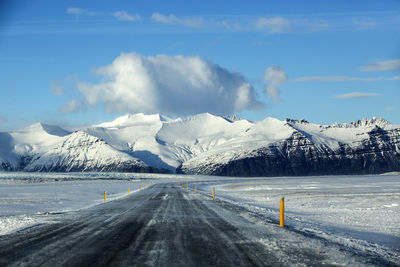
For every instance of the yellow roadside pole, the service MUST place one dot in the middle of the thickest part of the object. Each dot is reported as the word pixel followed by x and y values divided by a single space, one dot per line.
pixel 195 188
pixel 129 191
pixel 145 186
pixel 213 192
pixel 140 187
pixel 187 187
pixel 282 212
pixel 105 196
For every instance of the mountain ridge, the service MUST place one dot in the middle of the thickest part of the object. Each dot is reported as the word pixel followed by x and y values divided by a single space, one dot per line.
pixel 206 144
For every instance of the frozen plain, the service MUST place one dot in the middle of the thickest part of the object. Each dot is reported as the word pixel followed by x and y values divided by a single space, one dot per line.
pixel 356 211
pixel 360 212
pixel 26 197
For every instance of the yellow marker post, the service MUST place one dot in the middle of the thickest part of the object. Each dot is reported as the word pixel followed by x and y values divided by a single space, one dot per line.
pixel 195 188
pixel 187 187
pixel 129 191
pixel 140 187
pixel 282 209
pixel 145 186
pixel 105 196
pixel 213 192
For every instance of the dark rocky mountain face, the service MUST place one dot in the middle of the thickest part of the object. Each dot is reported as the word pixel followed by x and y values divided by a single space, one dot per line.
pixel 298 155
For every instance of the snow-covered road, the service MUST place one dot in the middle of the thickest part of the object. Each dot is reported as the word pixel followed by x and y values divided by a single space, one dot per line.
pixel 166 225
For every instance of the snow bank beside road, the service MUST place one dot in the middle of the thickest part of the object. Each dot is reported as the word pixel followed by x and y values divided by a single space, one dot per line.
pixel 25 198
pixel 361 211
pixel 9 224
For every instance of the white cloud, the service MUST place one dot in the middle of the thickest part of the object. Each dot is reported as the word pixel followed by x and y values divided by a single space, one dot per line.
pixel 364 23
pixel 175 85
pixel 56 88
pixel 273 25
pixel 356 95
pixel 389 108
pixel 123 15
pixel 120 15
pixel 76 11
pixel 318 26
pixel 172 19
pixel 80 12
pixel 274 76
pixel 72 106
pixel 382 66
pixel 234 26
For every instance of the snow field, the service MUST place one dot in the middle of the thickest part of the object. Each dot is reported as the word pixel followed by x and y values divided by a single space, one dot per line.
pixel 362 212
pixel 357 211
pixel 25 198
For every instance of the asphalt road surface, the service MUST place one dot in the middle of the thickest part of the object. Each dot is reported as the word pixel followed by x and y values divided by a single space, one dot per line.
pixel 165 225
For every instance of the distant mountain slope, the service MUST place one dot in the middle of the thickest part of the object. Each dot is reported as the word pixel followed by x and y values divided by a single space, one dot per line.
pixel 80 151
pixel 206 144
pixel 376 152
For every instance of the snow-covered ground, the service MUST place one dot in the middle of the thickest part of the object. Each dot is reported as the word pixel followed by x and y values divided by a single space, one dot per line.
pixel 26 197
pixel 359 211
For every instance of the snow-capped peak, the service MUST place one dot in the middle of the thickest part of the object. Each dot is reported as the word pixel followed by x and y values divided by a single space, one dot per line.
pixel 166 143
pixel 40 127
pixel 133 119
pixel 292 121
pixel 374 121
pixel 232 118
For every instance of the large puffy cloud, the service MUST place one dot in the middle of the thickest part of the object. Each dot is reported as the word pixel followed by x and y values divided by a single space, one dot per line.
pixel 175 85
pixel 274 76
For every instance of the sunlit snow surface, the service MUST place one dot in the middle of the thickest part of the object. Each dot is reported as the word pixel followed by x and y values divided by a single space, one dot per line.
pixel 26 197
pixel 359 211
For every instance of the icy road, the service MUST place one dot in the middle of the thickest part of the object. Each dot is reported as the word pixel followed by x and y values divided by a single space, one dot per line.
pixel 166 225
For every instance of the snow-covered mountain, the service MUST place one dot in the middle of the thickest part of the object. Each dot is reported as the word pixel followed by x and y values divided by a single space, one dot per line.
pixel 206 144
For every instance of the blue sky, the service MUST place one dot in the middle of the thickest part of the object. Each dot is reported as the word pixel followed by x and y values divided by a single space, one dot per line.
pixel 79 62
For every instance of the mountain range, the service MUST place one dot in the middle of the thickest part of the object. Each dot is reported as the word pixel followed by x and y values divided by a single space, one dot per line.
pixel 206 144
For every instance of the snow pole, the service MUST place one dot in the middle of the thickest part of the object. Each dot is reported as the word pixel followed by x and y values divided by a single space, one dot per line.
pixel 105 196
pixel 282 212
pixel 213 192
pixel 129 191
pixel 195 188
pixel 140 187
pixel 187 187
